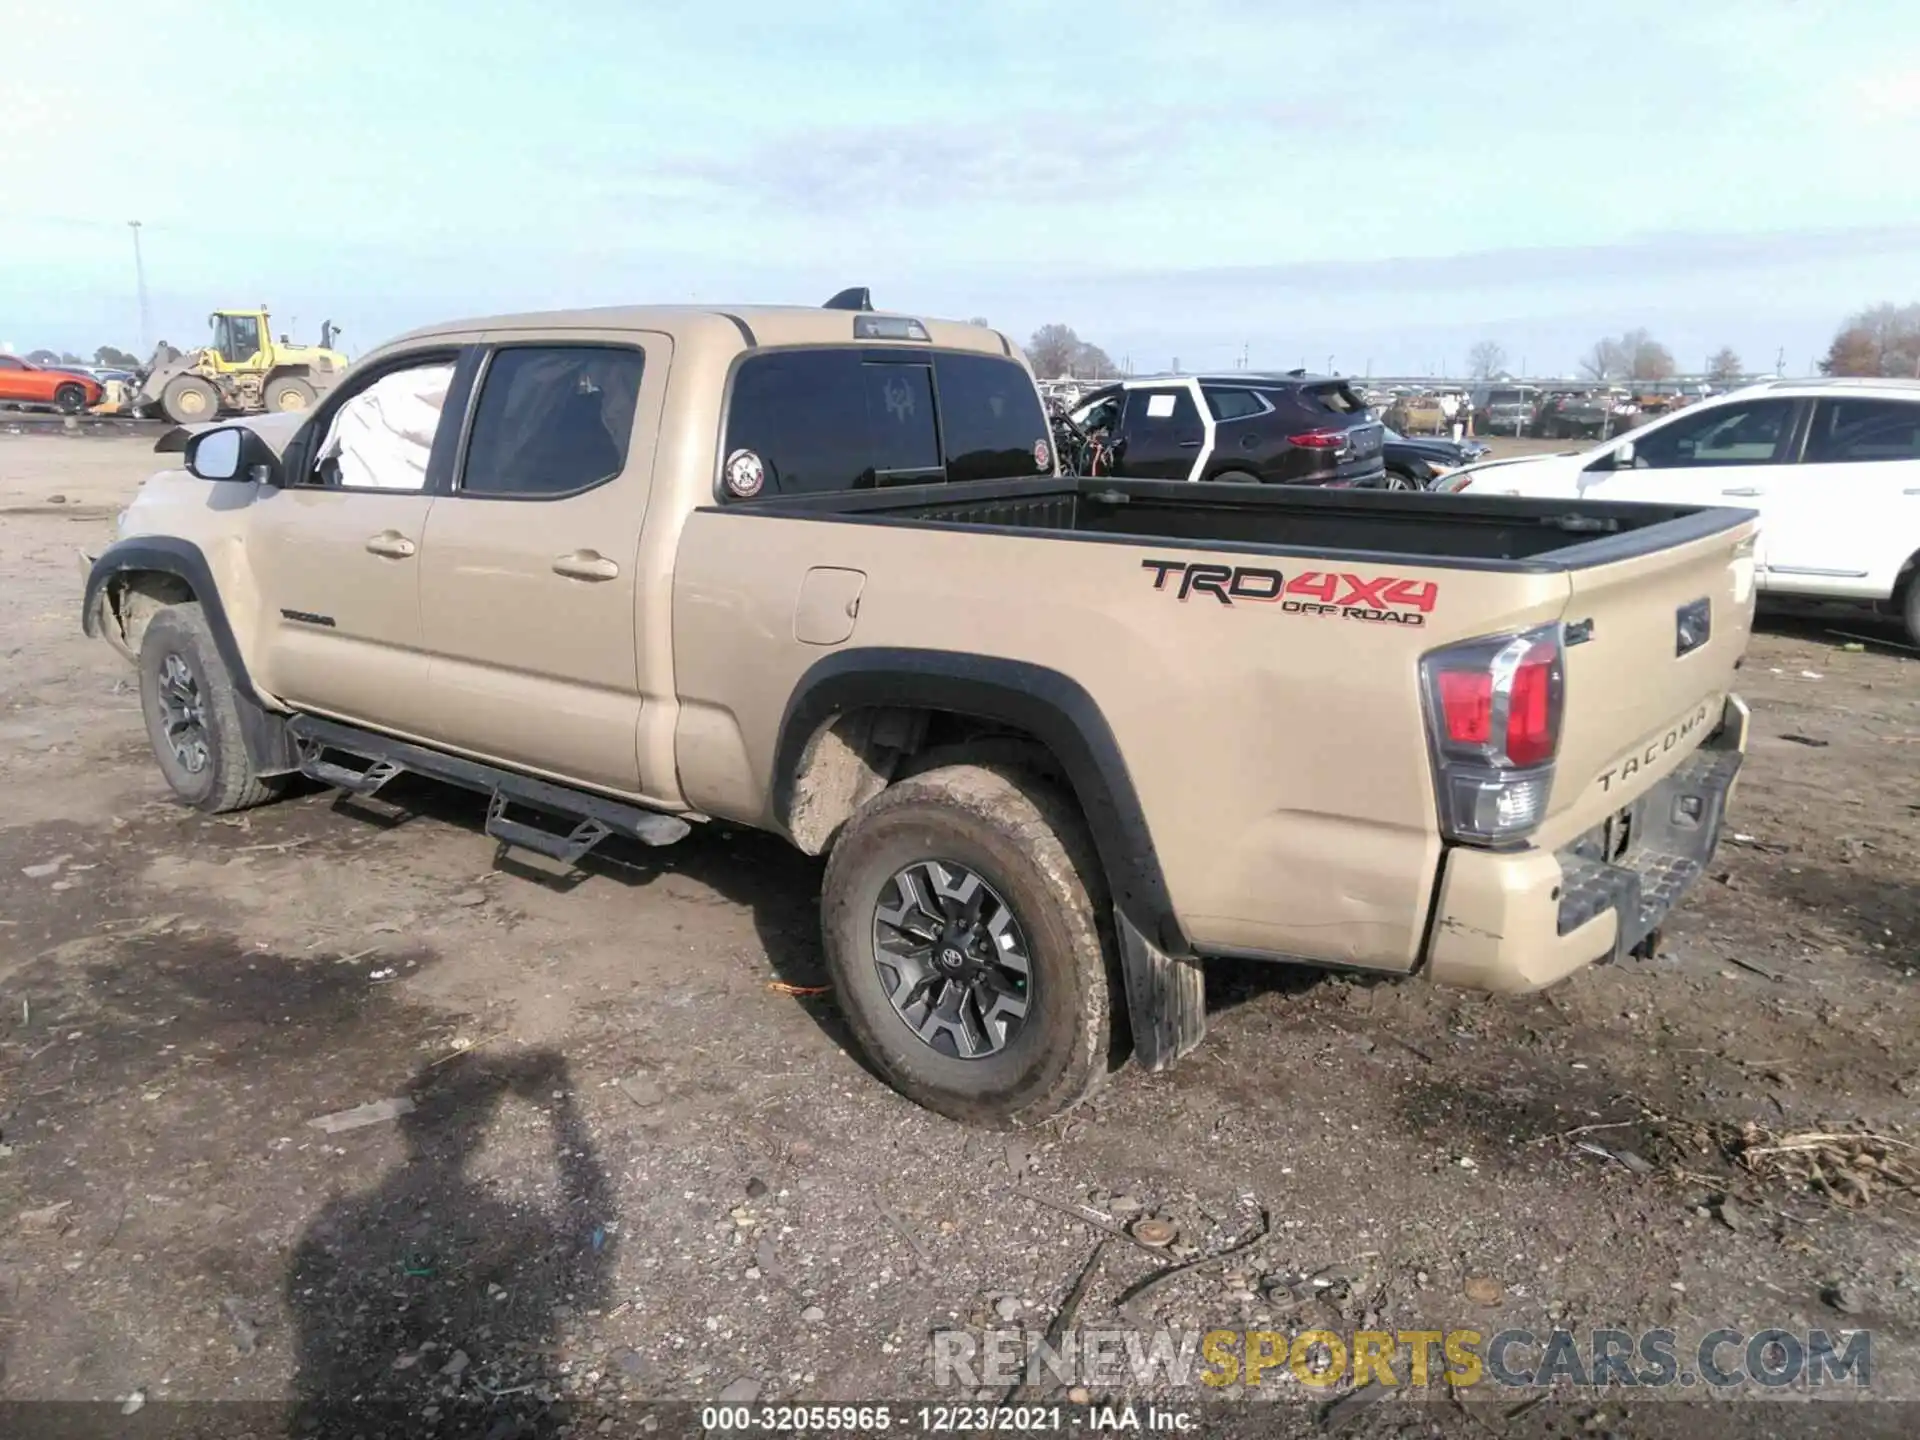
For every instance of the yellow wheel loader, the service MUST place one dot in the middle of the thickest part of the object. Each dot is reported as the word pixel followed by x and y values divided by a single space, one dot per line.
pixel 243 372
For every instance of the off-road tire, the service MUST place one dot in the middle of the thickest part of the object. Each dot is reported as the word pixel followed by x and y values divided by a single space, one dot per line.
pixel 227 781
pixel 1236 477
pixel 289 387
pixel 1028 842
pixel 173 398
pixel 70 399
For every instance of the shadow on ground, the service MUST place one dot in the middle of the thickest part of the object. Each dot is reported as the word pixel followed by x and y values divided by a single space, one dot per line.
pixel 432 1302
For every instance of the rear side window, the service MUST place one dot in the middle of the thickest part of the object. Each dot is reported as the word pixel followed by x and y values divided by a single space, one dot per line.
pixel 552 420
pixel 1863 431
pixel 991 416
pixel 1234 404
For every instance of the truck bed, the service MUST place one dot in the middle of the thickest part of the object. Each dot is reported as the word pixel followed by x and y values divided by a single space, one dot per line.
pixel 1484 532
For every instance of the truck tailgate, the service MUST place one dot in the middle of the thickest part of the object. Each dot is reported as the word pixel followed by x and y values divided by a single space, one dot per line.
pixel 1652 644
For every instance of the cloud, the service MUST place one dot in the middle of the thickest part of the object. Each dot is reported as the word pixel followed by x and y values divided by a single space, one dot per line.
pixel 1663 255
pixel 1028 159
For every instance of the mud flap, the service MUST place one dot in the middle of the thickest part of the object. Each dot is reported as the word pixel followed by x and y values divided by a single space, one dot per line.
pixel 1166 998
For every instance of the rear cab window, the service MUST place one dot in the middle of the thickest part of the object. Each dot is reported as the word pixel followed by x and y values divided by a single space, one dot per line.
pixel 849 418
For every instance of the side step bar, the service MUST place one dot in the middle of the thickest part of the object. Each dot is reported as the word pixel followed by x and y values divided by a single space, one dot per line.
pixel 585 819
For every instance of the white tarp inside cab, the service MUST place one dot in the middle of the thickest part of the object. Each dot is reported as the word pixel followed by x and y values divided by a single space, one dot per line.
pixel 381 438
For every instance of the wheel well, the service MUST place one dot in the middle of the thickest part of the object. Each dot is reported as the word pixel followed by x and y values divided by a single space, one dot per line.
pixel 856 754
pixel 134 597
pixel 1908 576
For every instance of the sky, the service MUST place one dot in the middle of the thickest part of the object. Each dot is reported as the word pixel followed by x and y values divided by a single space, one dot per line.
pixel 1375 184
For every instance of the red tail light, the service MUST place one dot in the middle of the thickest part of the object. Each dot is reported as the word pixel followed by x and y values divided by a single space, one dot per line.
pixel 1319 439
pixel 1533 714
pixel 1493 710
pixel 1466 704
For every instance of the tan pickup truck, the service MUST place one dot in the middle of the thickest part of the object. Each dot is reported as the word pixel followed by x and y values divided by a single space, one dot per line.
pixel 1061 739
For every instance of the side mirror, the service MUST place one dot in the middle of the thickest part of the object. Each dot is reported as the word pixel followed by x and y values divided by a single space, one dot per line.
pixel 232 453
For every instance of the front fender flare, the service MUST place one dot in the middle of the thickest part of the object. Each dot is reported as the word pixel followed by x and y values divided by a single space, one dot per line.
pixel 263 728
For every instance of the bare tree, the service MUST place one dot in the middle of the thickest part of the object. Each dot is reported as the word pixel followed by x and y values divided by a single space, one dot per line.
pixel 1604 361
pixel 1881 340
pixel 1057 350
pixel 1724 367
pixel 1486 359
pixel 1636 355
pixel 1052 350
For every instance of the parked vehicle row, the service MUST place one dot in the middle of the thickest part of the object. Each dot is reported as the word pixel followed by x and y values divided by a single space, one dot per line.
pixel 1240 427
pixel 1062 738
pixel 1831 466
pixel 62 388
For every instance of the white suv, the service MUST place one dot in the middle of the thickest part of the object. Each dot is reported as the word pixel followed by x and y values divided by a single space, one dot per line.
pixel 1833 467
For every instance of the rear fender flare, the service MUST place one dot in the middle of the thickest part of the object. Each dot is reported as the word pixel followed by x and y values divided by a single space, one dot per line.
pixel 1053 709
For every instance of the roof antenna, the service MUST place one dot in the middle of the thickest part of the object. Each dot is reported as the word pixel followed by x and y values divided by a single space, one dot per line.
pixel 854 297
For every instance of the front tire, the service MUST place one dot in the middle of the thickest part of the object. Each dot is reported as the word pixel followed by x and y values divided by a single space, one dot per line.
pixel 189 400
pixel 962 920
pixel 71 399
pixel 1399 480
pixel 1910 610
pixel 193 715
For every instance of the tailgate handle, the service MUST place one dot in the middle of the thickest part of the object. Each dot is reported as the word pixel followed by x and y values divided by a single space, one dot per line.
pixel 1692 626
pixel 1189 444
pixel 1745 490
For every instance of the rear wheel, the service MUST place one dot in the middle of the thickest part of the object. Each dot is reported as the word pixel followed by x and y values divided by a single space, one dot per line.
pixel 1399 480
pixel 189 400
pixel 964 937
pixel 71 399
pixel 193 715
pixel 1910 610
pixel 289 392
pixel 1236 477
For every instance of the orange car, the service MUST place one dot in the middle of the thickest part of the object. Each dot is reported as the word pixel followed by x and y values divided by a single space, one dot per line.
pixel 24 383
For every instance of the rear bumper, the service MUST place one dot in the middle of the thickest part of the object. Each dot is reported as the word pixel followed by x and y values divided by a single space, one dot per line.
pixel 1520 921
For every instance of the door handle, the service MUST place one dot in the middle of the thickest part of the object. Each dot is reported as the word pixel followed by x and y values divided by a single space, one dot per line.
pixel 585 565
pixel 392 544
pixel 1911 490
pixel 1189 444
pixel 1745 490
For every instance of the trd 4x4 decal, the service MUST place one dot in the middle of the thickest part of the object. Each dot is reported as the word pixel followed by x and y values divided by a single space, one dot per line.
pixel 1382 599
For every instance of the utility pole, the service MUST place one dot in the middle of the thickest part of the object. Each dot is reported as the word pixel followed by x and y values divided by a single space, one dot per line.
pixel 1329 369
pixel 140 283
pixel 1780 363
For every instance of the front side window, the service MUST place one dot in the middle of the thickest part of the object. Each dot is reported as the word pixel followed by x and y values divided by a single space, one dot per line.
pixel 1854 432
pixel 381 437
pixel 1754 433
pixel 552 420
pixel 990 417
pixel 1162 411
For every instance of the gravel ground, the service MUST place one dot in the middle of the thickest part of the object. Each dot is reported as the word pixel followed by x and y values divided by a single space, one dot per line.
pixel 638 1166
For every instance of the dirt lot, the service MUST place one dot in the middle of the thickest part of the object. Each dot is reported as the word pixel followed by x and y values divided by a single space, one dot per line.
pixel 640 1167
